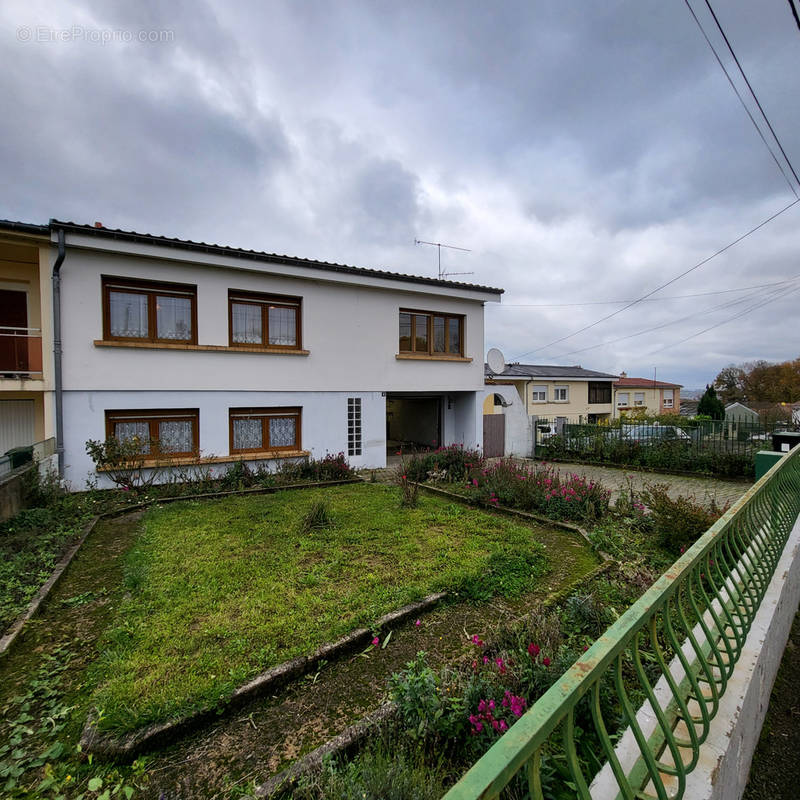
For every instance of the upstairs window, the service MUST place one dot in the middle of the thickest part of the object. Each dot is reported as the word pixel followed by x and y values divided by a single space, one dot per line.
pixel 432 334
pixel 623 399
pixel 560 394
pixel 256 429
pixel 539 394
pixel 266 320
pixel 599 392
pixel 638 398
pixel 669 396
pixel 168 432
pixel 135 310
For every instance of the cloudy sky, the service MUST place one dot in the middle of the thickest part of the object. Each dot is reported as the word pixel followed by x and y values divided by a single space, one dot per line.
pixel 585 153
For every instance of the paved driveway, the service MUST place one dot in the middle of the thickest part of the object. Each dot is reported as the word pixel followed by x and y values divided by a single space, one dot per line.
pixel 702 488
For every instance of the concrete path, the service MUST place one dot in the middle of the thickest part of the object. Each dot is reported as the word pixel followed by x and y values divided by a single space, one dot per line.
pixel 703 489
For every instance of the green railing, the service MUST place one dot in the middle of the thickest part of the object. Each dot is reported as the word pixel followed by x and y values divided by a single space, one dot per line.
pixel 688 629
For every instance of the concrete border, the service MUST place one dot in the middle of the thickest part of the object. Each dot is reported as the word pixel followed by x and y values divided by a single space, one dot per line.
pixel 10 635
pixel 725 756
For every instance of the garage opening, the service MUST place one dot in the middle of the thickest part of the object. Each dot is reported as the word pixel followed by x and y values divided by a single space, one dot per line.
pixel 413 422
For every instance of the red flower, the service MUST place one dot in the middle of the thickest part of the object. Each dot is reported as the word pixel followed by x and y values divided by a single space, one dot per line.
pixel 533 650
pixel 546 661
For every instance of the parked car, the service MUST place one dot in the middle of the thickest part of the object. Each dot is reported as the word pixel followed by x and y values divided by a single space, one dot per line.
pixel 655 434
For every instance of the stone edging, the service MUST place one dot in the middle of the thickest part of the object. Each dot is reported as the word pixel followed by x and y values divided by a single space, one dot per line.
pixel 349 740
pixel 32 610
pixel 10 636
pixel 93 741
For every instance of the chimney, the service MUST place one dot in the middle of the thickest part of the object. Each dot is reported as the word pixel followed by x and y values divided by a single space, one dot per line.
pixel 623 374
pixel 98 224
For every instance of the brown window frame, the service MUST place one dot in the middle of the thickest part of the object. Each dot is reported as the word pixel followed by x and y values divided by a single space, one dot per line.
pixel 153 417
pixel 151 289
pixel 431 315
pixel 265 301
pixel 265 414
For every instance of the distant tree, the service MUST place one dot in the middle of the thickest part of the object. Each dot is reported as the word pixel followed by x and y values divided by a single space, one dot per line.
pixel 710 405
pixel 730 384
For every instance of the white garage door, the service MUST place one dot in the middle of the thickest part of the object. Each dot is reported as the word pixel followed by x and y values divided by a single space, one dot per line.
pixel 16 424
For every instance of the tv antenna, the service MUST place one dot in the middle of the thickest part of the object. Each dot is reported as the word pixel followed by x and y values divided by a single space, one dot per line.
pixel 439 246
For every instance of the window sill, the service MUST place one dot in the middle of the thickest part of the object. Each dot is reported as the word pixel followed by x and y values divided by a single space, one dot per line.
pixel 264 455
pixel 425 357
pixel 204 347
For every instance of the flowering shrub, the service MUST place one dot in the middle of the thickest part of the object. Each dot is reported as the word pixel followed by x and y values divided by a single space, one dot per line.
pixel 445 464
pixel 539 488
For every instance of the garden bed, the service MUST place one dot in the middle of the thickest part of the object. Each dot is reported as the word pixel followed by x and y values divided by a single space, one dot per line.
pixel 221 591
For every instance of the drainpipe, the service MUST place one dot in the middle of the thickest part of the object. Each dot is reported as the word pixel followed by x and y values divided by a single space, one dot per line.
pixel 57 351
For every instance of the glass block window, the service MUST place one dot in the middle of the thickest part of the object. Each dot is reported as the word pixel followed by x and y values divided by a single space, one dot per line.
pixel 257 429
pixel 170 432
pixel 267 320
pixel 354 426
pixel 137 310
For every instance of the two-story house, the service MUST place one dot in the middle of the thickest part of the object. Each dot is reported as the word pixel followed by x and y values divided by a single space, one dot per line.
pixel 554 391
pixel 27 413
pixel 646 395
pixel 216 354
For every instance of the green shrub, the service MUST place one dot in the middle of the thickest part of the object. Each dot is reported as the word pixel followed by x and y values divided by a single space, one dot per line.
pixel 678 522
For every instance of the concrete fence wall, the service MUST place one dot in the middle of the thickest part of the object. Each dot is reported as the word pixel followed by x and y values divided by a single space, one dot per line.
pixel 11 491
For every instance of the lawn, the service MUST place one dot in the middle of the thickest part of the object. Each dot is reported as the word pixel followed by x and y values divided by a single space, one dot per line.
pixel 219 591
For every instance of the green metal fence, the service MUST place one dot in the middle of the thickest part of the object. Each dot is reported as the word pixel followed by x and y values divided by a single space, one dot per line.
pixel 710 446
pixel 690 628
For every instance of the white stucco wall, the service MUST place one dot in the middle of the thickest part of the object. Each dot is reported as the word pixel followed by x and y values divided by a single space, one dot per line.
pixel 518 428
pixel 323 421
pixel 351 331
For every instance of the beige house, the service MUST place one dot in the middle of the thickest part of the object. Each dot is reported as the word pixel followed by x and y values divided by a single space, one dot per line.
pixel 26 339
pixel 645 395
pixel 555 391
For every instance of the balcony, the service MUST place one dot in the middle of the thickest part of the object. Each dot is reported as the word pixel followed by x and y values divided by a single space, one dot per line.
pixel 20 353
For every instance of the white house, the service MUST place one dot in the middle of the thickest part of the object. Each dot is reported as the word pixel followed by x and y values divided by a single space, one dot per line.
pixel 220 354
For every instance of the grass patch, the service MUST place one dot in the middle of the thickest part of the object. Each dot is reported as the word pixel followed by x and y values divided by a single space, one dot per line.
pixel 220 591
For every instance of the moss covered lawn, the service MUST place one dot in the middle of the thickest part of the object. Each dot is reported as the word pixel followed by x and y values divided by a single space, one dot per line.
pixel 219 591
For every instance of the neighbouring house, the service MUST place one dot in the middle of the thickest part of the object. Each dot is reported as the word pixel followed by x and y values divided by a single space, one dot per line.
pixel 688 407
pixel 27 410
pixel 645 395
pixel 213 354
pixel 796 414
pixel 738 412
pixel 527 394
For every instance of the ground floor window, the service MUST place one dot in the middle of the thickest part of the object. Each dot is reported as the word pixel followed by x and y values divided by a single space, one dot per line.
pixel 354 426
pixel 257 429
pixel 159 431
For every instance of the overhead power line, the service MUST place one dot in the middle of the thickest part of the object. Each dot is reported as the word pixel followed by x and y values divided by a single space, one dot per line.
pixel 622 302
pixel 663 285
pixel 778 296
pixel 794 13
pixel 686 318
pixel 752 92
pixel 741 99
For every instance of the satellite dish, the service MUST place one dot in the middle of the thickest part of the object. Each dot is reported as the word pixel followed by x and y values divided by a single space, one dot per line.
pixel 496 360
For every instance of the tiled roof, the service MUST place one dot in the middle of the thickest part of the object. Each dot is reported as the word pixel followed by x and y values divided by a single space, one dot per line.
pixel 546 371
pixel 258 255
pixel 645 383
pixel 24 227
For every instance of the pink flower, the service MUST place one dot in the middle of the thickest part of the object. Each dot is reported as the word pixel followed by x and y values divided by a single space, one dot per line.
pixel 533 650
pixel 474 481
pixel 476 640
pixel 418 623
pixel 486 659
pixel 503 725
pixel 500 665
pixel 376 641
pixel 546 661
